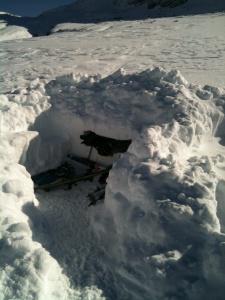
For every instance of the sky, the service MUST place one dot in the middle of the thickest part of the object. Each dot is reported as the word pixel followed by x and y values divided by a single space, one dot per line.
pixel 30 7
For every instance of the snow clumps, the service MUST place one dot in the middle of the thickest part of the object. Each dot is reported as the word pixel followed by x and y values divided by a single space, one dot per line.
pixel 162 223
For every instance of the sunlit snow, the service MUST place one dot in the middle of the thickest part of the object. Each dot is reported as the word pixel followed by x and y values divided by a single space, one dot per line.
pixel 160 232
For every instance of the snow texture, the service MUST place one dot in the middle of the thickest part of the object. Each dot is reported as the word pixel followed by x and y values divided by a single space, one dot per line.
pixel 92 11
pixel 197 50
pixel 160 232
pixel 27 269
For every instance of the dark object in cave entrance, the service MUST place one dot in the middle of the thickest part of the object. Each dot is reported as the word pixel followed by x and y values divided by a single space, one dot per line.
pixel 70 173
pixel 96 196
pixel 99 193
pixel 105 146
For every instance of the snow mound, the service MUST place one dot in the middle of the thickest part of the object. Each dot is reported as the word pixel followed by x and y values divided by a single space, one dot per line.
pixel 72 27
pixel 13 33
pixel 26 268
pixel 161 226
pixel 161 220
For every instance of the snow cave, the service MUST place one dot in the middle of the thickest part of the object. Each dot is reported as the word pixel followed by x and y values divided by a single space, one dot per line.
pixel 163 209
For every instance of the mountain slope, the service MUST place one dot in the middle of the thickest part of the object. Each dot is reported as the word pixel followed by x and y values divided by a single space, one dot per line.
pixel 93 11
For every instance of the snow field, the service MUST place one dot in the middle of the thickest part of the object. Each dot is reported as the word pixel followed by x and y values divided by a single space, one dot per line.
pixel 161 226
pixel 194 45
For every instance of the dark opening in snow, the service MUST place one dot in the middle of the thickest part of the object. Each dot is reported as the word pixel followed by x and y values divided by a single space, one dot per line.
pixel 63 214
pixel 76 169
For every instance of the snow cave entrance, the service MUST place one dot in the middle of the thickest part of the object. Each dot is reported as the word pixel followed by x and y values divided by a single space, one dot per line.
pixel 61 220
pixel 75 169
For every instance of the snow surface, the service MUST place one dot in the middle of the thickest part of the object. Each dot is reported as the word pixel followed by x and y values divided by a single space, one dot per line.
pixel 92 11
pixel 194 45
pixel 160 233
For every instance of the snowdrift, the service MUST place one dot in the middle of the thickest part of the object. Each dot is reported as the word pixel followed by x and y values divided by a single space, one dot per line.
pixel 161 228
pixel 12 32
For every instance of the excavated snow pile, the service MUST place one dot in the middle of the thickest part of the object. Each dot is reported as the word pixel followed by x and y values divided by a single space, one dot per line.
pixel 161 227
pixel 27 269
pixel 163 219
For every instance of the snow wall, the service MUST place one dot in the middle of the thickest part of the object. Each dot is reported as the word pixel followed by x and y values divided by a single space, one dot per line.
pixel 162 223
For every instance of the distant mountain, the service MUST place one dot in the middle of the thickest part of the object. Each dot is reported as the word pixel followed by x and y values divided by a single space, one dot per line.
pixel 93 11
pixel 153 3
